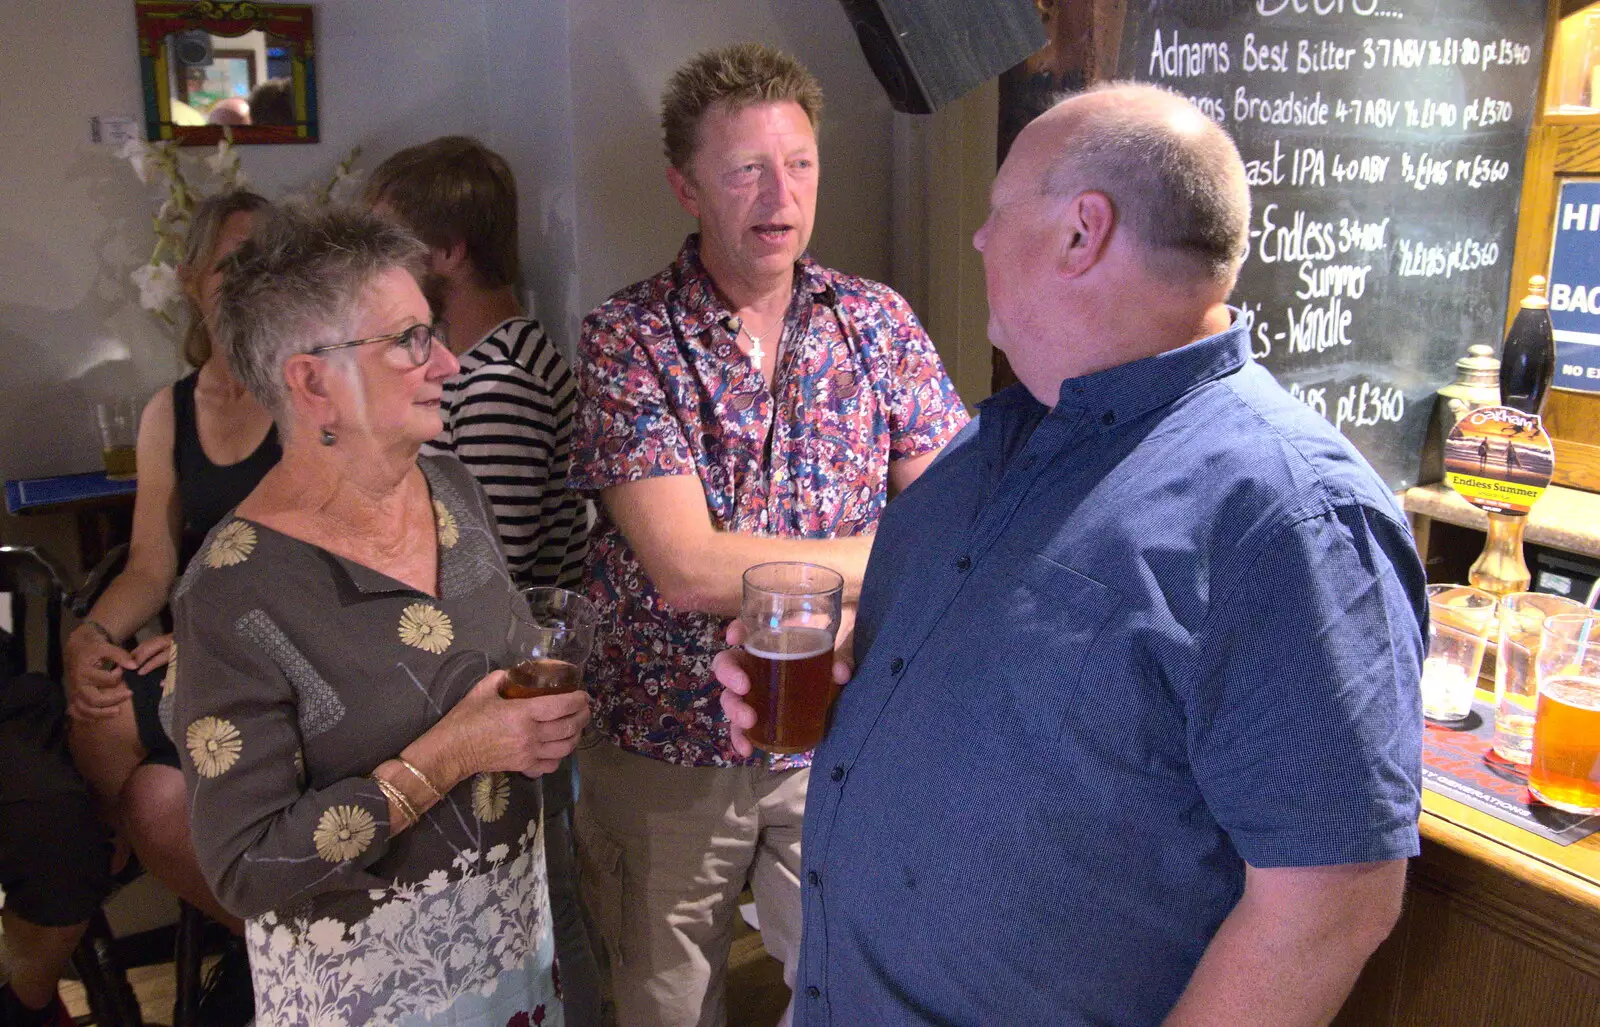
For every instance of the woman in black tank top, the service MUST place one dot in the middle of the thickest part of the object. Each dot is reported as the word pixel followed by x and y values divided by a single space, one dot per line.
pixel 204 444
pixel 206 490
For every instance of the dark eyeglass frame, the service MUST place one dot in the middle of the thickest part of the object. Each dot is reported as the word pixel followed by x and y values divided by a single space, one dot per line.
pixel 418 352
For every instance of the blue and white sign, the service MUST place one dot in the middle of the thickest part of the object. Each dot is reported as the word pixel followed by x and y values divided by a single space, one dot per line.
pixel 1575 286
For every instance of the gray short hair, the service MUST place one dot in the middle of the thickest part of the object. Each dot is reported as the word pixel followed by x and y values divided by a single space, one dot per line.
pixel 295 284
pixel 1182 194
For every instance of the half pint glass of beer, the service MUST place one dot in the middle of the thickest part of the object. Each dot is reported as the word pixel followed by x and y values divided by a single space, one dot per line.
pixel 1565 772
pixel 791 615
pixel 118 421
pixel 549 641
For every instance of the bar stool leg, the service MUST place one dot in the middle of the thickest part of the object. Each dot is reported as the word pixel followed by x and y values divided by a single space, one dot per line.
pixel 186 959
pixel 112 1002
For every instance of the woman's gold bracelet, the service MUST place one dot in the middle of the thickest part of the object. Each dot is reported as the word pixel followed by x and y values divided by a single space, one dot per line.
pixel 420 776
pixel 397 797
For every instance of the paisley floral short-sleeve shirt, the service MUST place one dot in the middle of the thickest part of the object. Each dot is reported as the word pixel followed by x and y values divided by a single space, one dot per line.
pixel 665 390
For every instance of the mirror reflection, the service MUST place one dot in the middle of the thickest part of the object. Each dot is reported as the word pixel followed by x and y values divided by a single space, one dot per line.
pixel 246 66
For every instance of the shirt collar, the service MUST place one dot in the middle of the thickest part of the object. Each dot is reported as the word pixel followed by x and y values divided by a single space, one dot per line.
pixel 1123 393
pixel 701 308
pixel 367 581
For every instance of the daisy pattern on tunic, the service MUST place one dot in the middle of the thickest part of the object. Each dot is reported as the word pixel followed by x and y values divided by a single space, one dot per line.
pixel 426 627
pixel 231 546
pixel 491 793
pixel 445 522
pixel 214 745
pixel 344 832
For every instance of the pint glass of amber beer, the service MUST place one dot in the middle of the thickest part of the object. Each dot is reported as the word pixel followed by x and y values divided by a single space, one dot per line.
pixel 791 615
pixel 1565 772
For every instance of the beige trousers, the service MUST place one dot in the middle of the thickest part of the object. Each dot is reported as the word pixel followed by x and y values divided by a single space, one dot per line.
pixel 664 852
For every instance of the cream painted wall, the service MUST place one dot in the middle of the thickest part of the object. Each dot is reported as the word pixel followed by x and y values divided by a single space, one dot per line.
pixel 943 167
pixel 629 223
pixel 72 223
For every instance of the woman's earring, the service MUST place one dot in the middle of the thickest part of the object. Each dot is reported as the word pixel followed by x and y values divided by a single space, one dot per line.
pixel 328 438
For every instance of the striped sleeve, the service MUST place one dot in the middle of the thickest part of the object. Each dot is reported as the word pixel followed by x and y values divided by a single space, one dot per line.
pixel 508 418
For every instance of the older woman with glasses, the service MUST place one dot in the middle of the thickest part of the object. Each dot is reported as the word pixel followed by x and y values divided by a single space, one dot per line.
pixel 361 792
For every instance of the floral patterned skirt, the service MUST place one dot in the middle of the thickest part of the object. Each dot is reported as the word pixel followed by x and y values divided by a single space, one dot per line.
pixel 473 952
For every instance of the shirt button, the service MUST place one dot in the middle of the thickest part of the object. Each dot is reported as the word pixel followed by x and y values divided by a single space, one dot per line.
pixel 896 665
pixel 963 563
pixel 812 991
pixel 837 775
pixel 1108 418
pixel 814 878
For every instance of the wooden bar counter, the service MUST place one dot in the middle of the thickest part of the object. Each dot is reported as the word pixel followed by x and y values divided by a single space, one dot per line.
pixel 1501 928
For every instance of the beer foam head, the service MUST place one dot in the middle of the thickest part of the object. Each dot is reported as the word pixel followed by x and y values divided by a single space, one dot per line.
pixel 789 643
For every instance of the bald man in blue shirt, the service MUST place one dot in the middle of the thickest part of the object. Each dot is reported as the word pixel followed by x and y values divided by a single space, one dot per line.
pixel 1134 731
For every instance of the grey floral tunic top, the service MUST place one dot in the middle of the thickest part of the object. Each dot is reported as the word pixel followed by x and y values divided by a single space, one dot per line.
pixel 297 673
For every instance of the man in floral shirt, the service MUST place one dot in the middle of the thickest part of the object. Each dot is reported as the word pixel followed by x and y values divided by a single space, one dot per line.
pixel 745 405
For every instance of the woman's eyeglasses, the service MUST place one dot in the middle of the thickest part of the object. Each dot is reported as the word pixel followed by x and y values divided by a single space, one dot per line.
pixel 417 341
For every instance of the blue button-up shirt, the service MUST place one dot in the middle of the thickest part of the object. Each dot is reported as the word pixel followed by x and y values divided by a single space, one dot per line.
pixel 1108 653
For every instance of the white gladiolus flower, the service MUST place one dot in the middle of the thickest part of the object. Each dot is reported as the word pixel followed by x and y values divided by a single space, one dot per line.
pixel 158 285
pixel 137 153
pixel 163 164
pixel 224 160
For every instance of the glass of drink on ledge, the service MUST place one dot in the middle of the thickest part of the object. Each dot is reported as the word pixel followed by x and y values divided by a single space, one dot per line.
pixel 1516 682
pixel 548 641
pixel 1460 618
pixel 118 422
pixel 791 616
pixel 1565 772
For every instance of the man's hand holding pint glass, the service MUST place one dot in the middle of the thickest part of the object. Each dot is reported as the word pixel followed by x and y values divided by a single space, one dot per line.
pixel 778 689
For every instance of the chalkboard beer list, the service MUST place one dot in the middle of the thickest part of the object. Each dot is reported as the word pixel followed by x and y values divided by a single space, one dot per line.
pixel 1384 141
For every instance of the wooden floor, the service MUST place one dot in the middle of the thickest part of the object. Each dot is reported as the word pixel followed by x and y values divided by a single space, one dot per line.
pixel 153 985
pixel 757 995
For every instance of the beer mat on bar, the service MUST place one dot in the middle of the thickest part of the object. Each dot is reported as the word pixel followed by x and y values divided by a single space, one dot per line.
pixel 25 493
pixel 1458 761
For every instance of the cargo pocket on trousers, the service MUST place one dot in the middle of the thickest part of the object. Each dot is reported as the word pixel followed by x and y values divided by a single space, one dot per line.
pixel 600 880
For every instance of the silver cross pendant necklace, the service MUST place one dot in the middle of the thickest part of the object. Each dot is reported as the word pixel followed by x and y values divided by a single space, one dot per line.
pixel 756 352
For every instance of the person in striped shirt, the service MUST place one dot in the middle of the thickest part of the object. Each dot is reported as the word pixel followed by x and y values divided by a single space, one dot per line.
pixel 508 414
pixel 508 417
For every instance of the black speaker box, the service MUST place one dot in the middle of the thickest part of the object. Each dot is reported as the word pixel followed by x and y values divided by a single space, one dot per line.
pixel 928 52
